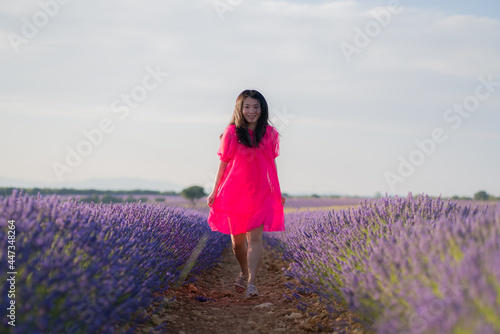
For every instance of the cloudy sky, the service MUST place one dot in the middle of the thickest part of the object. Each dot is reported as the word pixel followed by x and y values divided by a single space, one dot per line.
pixel 369 96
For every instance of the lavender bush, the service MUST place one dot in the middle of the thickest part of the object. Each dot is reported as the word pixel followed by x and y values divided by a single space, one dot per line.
pixel 87 268
pixel 408 265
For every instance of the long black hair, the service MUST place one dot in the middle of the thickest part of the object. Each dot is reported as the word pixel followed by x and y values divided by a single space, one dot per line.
pixel 241 123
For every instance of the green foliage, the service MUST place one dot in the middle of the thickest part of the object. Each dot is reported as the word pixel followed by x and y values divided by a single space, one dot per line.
pixel 461 197
pixel 481 196
pixel 193 193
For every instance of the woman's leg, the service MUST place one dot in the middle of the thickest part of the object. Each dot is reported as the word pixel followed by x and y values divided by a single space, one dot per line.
pixel 240 250
pixel 255 249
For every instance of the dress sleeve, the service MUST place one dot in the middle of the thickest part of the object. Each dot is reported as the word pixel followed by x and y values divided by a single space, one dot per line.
pixel 227 144
pixel 275 142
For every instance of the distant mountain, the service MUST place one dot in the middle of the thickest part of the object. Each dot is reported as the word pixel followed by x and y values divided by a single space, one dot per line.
pixel 19 183
pixel 97 183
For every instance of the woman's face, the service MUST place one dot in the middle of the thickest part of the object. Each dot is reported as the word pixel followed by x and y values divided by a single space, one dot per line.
pixel 251 110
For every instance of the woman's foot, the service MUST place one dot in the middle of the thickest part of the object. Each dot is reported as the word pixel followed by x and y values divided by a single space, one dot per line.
pixel 252 292
pixel 240 283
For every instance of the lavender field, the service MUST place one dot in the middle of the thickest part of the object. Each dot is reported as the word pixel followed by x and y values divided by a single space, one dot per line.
pixel 89 268
pixel 405 265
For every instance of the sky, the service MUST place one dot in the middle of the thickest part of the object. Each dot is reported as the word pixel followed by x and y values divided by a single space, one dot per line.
pixel 368 96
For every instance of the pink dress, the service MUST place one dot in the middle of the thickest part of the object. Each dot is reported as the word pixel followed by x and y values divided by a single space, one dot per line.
pixel 249 193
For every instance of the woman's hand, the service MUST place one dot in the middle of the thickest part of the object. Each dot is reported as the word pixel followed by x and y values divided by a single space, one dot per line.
pixel 210 199
pixel 283 199
pixel 220 173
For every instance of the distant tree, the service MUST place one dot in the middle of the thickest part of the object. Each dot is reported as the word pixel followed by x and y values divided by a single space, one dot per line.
pixel 193 193
pixel 481 196
pixel 160 199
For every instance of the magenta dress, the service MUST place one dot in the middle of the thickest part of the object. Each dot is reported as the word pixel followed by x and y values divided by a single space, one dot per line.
pixel 249 193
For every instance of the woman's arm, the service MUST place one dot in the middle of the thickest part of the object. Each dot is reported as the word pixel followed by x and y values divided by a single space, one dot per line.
pixel 283 199
pixel 220 173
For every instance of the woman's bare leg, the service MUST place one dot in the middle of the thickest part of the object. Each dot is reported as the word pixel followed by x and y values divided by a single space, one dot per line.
pixel 240 250
pixel 255 249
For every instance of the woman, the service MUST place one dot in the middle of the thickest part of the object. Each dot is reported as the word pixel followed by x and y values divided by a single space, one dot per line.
pixel 247 199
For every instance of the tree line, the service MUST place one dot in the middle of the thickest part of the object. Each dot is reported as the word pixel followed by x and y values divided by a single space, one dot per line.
pixel 192 194
pixel 7 191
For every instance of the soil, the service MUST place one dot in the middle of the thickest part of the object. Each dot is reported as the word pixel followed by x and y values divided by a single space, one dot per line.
pixel 211 305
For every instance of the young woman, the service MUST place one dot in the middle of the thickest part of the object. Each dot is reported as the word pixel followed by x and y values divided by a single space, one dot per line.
pixel 247 199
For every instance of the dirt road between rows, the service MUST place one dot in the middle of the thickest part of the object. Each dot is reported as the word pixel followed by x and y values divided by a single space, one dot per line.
pixel 211 305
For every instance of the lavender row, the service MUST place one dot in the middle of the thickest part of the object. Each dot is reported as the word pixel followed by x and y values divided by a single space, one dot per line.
pixel 305 202
pixel 87 268
pixel 178 200
pixel 407 265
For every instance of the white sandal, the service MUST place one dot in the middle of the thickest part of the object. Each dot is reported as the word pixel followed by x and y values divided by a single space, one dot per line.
pixel 252 292
pixel 240 284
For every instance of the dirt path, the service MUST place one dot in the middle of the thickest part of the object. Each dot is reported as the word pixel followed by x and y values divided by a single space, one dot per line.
pixel 210 305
